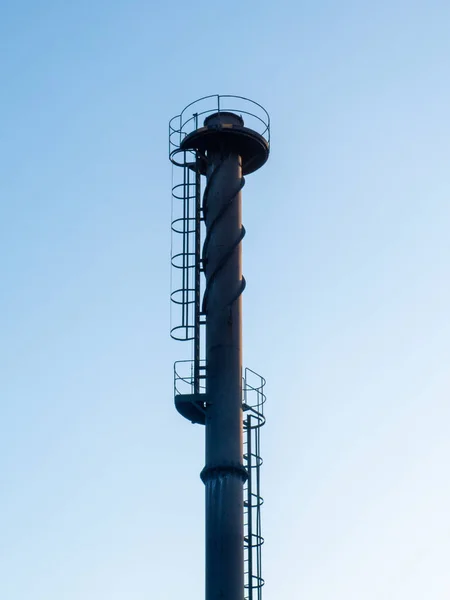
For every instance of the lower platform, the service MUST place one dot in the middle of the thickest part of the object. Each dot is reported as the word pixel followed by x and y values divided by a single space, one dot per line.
pixel 191 407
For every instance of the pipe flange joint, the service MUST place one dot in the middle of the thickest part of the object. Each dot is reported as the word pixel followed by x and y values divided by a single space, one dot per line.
pixel 214 471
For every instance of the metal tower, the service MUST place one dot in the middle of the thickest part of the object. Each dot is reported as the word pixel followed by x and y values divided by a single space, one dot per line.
pixel 221 138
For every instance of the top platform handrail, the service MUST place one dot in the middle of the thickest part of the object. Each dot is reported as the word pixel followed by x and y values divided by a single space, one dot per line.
pixel 186 123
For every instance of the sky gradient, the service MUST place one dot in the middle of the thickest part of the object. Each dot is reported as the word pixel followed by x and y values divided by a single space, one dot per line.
pixel 346 258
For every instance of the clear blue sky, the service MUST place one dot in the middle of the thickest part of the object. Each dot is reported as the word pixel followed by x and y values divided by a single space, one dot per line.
pixel 346 258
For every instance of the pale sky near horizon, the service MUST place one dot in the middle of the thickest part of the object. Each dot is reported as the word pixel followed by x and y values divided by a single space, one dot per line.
pixel 346 308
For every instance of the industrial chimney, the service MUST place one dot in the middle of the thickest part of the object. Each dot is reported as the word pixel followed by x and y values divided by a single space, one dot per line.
pixel 219 139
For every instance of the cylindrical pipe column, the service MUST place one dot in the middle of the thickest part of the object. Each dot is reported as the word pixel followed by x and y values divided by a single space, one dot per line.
pixel 224 473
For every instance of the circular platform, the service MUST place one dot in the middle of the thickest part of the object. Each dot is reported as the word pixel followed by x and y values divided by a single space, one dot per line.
pixel 225 131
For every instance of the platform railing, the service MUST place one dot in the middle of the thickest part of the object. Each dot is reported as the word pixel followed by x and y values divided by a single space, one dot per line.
pixel 192 116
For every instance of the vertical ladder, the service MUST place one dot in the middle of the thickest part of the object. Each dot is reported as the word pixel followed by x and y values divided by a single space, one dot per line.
pixel 253 407
pixel 186 262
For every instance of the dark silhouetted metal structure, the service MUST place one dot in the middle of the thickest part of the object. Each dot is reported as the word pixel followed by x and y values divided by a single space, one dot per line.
pixel 221 138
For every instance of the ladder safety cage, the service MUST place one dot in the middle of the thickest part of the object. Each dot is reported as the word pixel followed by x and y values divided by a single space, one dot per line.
pixel 254 399
pixel 184 258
